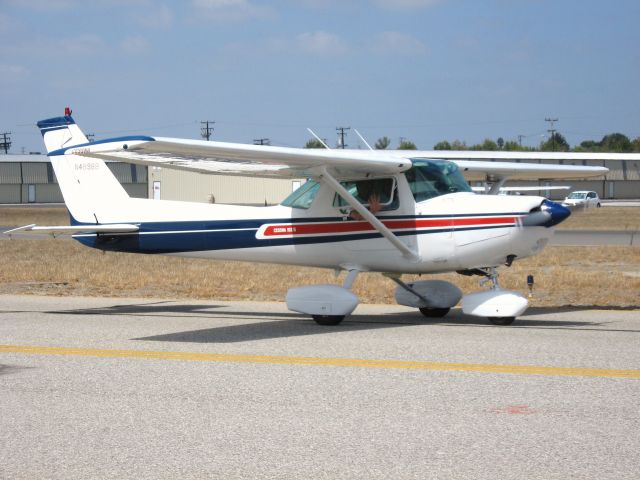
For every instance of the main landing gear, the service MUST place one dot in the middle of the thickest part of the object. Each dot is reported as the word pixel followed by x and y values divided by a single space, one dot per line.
pixel 434 298
pixel 434 312
pixel 327 304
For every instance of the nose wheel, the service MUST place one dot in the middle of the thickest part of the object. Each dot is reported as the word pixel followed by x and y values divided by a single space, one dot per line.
pixel 328 320
pixel 500 307
pixel 502 320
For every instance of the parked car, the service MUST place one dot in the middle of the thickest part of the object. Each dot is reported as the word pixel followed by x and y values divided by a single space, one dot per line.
pixel 583 198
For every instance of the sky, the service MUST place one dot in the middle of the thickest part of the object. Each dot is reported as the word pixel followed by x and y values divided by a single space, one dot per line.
pixel 426 70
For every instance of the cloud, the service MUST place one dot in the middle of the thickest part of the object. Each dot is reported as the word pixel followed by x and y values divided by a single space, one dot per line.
pixel 398 43
pixel 406 4
pixel 321 43
pixel 88 44
pixel 135 45
pixel 56 49
pixel 160 18
pixel 228 10
pixel 12 71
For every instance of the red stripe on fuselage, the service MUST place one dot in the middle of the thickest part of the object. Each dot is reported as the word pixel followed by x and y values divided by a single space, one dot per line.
pixel 357 227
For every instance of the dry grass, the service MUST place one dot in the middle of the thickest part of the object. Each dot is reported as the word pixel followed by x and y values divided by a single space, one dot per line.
pixel 605 218
pixel 591 276
pixel 18 216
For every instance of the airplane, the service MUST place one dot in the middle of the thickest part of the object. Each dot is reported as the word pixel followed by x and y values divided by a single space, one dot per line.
pixel 392 212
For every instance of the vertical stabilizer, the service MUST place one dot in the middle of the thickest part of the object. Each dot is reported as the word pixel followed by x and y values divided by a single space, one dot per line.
pixel 90 190
pixel 61 132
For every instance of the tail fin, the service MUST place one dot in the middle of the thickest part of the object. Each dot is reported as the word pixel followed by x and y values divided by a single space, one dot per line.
pixel 90 190
pixel 61 132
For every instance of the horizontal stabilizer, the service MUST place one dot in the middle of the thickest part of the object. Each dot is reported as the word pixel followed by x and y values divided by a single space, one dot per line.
pixel 72 229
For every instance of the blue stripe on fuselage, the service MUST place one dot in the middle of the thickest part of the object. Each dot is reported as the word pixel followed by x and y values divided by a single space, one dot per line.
pixel 178 237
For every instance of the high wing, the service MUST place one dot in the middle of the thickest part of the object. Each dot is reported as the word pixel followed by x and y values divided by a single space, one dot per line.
pixel 283 162
pixel 239 159
pixel 500 165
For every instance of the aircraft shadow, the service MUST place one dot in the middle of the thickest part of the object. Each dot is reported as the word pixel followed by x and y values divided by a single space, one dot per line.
pixel 581 308
pixel 298 325
pixel 272 325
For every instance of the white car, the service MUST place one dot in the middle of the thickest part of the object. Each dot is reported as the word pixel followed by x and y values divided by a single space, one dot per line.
pixel 583 198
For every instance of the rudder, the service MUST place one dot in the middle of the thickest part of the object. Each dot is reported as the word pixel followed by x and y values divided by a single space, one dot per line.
pixel 91 192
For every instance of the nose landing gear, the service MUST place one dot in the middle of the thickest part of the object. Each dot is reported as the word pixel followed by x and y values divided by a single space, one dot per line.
pixel 501 307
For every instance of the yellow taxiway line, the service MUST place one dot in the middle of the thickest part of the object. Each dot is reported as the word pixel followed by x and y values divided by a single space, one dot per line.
pixel 332 362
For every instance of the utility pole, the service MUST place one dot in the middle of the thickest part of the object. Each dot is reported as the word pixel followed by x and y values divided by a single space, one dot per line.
pixel 520 137
pixel 261 141
pixel 552 132
pixel 341 135
pixel 5 144
pixel 206 130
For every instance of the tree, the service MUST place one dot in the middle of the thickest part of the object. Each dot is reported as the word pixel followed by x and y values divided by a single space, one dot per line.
pixel 588 146
pixel 458 145
pixel 407 145
pixel 512 146
pixel 443 145
pixel 636 144
pixel 556 143
pixel 500 143
pixel 313 143
pixel 382 143
pixel 616 142
pixel 487 145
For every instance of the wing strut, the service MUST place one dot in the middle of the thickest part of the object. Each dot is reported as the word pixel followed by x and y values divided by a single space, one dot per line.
pixel 328 179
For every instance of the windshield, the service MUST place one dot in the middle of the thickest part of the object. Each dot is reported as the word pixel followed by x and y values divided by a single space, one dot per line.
pixel 432 178
pixel 577 195
pixel 303 197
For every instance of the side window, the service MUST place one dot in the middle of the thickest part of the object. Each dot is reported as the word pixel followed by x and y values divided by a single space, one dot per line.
pixel 384 188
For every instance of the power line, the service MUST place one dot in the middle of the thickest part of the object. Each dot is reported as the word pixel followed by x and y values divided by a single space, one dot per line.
pixel 5 144
pixel 206 130
pixel 341 135
pixel 552 131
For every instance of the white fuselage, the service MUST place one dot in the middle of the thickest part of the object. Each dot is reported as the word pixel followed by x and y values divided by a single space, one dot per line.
pixel 451 232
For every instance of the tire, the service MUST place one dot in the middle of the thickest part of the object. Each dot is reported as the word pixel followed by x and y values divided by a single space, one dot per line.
pixel 502 320
pixel 328 319
pixel 434 312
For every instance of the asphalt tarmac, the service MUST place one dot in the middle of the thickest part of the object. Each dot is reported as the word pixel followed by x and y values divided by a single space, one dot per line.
pixel 126 388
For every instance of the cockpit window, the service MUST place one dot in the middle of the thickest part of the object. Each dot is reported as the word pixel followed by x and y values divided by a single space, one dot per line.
pixel 432 178
pixel 303 197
